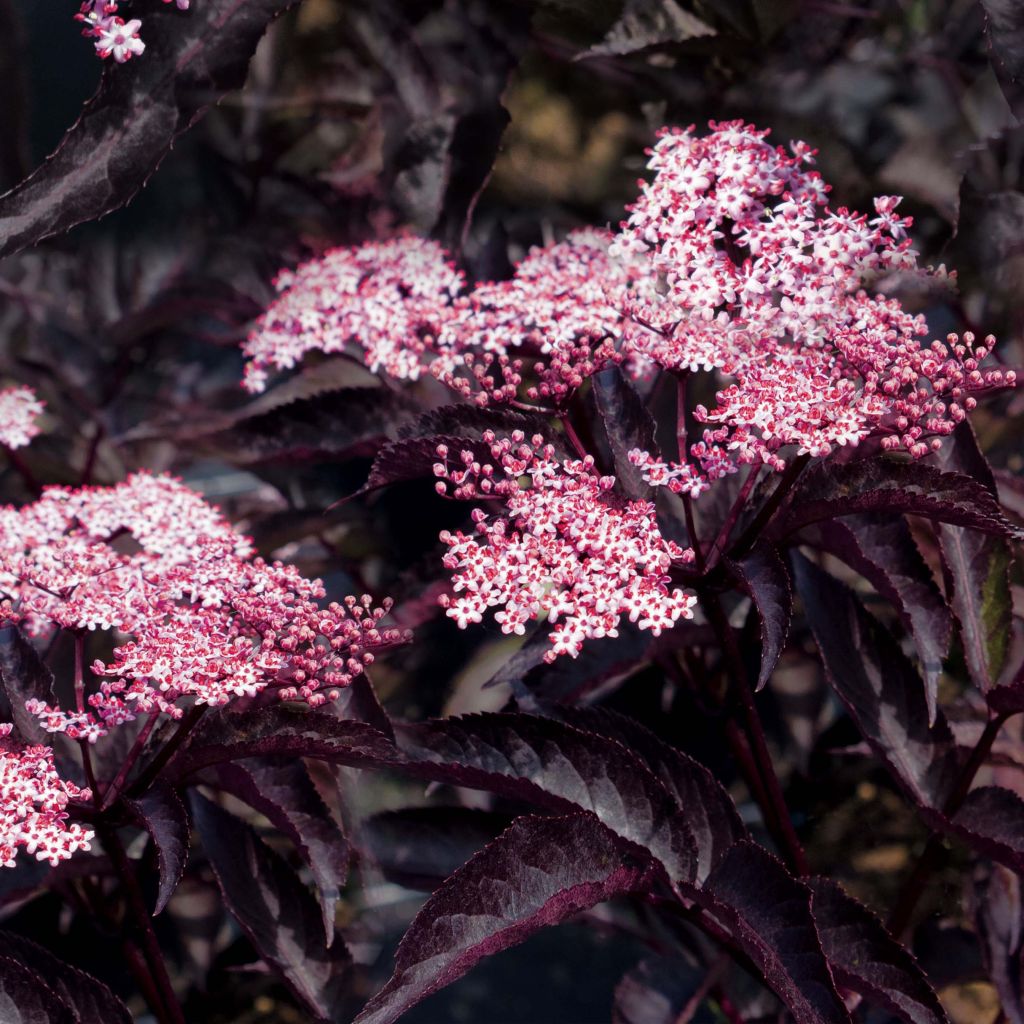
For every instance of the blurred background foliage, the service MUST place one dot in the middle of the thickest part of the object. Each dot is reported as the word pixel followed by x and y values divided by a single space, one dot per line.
pixel 492 125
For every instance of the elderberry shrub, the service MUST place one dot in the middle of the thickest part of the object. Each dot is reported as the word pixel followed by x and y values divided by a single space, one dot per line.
pixel 394 567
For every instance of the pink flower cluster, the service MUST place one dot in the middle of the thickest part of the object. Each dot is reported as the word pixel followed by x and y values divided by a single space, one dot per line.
pixel 566 548
pixel 558 320
pixel 112 35
pixel 768 285
pixel 19 409
pixel 388 299
pixel 33 801
pixel 203 618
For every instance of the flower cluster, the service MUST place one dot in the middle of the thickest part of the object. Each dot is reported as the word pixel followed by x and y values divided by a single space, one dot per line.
pixel 566 548
pixel 111 34
pixel 33 801
pixel 19 409
pixel 389 299
pixel 203 619
pixel 767 284
pixel 560 319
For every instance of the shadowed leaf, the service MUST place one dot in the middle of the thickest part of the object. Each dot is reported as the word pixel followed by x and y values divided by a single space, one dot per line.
pixel 281 789
pixel 25 677
pixel 646 23
pixel 537 873
pixel 866 958
pixel 879 686
pixel 627 425
pixel 769 585
pixel 657 991
pixel 89 999
pixel 141 107
pixel 769 915
pixel 551 764
pixel 1004 27
pixel 991 820
pixel 828 490
pixel 999 920
pixel 882 549
pixel 977 567
pixel 26 999
pixel 274 909
pixel 162 814
pixel 420 847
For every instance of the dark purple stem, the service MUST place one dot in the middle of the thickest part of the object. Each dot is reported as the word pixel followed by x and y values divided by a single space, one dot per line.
pixel 113 791
pixel 169 749
pixel 934 850
pixel 770 507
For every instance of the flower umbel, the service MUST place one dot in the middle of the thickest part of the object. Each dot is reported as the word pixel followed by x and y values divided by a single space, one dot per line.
pixel 566 548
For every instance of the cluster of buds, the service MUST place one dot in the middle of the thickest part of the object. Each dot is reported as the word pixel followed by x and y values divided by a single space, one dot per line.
pixel 19 410
pixel 33 802
pixel 111 34
pixel 204 620
pixel 566 548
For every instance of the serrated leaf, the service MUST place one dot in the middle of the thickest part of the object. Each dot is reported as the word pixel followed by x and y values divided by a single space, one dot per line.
pixel 281 789
pixel 769 915
pixel 537 873
pixel 709 810
pixel 283 732
pixel 347 422
pixel 882 549
pixel 868 960
pixel 829 489
pixel 627 425
pixel 161 813
pixel 977 567
pixel 129 126
pixel 26 999
pixel 999 921
pixel 274 909
pixel 90 1001
pixel 991 821
pixel 658 991
pixel 768 583
pixel 879 686
pixel 25 676
pixel 470 421
pixel 1004 29
pixel 420 847
pixel 647 23
pixel 553 765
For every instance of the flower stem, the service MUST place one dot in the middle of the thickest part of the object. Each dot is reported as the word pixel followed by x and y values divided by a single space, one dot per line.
pixel 113 791
pixel 770 507
pixel 934 851
pixel 167 1010
pixel 170 748
pixel 772 800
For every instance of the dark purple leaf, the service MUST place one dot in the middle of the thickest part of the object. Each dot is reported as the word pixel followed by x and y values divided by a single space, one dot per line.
pixel 768 583
pixel 281 790
pixel 1004 28
pixel 359 700
pixel 284 732
pixel 627 425
pixel 25 676
pixel 421 165
pixel 420 847
pixel 768 913
pixel 129 126
pixel 537 873
pixel 274 909
pixel 659 990
pixel 999 920
pixel 348 422
pixel 868 960
pixel 470 421
pixel 879 686
pixel 709 810
pixel 553 765
pixel 91 1002
pixel 161 813
pixel 977 570
pixel 414 459
pixel 882 549
pixel 830 489
pixel 991 820
pixel 26 999
pixel 646 23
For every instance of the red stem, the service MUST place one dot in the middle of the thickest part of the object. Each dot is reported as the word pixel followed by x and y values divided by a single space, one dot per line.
pixel 113 791
pixel 169 749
